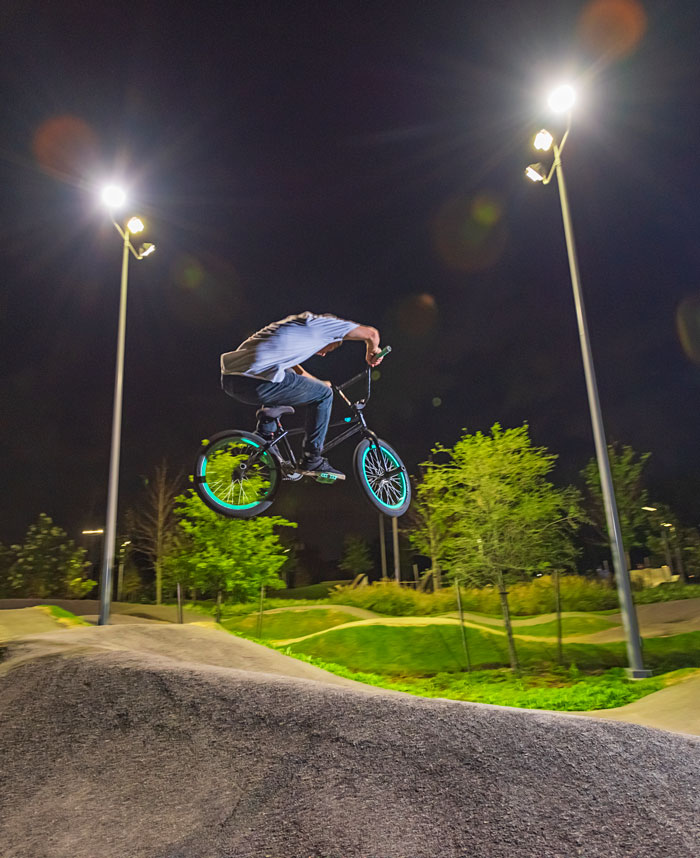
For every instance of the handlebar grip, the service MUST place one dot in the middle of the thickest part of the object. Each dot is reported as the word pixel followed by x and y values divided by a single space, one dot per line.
pixel 384 352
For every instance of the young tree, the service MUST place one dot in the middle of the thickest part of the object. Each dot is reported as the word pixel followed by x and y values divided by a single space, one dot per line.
pixel 428 528
pixel 502 517
pixel 47 564
pixel 627 471
pixel 152 526
pixel 226 557
pixel 356 559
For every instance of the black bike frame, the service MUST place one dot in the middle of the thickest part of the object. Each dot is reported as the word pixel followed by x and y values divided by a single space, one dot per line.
pixel 356 425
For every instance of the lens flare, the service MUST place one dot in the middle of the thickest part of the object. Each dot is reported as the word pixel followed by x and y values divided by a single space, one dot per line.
pixel 688 326
pixel 66 145
pixel 469 233
pixel 611 29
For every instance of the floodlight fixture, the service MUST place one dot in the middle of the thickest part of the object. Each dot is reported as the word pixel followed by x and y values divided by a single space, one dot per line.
pixel 135 225
pixel 543 140
pixel 562 99
pixel 99 530
pixel 536 172
pixel 146 250
pixel 113 196
pixel 666 524
pixel 649 508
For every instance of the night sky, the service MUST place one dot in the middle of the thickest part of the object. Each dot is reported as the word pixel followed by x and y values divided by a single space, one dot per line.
pixel 359 158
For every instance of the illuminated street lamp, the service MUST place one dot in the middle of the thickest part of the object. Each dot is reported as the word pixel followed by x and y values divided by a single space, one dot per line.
pixel 113 197
pixel 561 100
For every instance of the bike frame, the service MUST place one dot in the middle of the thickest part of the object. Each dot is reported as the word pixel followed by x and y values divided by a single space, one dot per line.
pixel 354 425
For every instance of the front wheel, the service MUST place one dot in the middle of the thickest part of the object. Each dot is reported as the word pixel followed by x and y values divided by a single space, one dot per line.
pixel 383 477
pixel 232 477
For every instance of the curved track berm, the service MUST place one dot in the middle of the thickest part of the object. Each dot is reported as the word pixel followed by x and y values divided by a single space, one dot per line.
pixel 112 747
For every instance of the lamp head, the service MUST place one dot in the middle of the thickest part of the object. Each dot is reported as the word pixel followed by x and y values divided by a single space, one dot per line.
pixel 135 225
pixel 113 197
pixel 543 140
pixel 562 99
pixel 536 173
pixel 146 250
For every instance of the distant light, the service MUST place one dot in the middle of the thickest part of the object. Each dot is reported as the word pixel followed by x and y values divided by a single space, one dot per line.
pixel 562 99
pixel 543 140
pixel 649 508
pixel 437 402
pixel 93 531
pixel 535 172
pixel 666 524
pixel 146 249
pixel 113 196
pixel 135 224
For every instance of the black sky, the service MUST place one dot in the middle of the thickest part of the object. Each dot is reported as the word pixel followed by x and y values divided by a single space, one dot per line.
pixel 364 159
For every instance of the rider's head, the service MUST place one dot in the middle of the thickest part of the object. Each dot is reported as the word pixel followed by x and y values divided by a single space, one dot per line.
pixel 331 347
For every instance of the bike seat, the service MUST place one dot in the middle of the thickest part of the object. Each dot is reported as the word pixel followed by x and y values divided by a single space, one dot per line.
pixel 274 412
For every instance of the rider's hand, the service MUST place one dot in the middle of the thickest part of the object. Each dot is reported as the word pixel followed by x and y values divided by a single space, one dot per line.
pixel 327 383
pixel 371 357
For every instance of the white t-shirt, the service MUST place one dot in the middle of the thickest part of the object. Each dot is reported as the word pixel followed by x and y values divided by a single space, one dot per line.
pixel 281 345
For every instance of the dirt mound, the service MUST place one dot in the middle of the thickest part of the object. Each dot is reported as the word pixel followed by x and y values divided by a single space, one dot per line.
pixel 115 753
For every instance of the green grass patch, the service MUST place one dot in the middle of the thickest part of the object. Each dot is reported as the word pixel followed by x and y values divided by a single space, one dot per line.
pixel 560 690
pixel 432 649
pixel 289 624
pixel 570 626
pixel 312 591
pixel 62 614
pixel 241 609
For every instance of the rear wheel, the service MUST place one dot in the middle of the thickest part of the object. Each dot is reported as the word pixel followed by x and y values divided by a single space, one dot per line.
pixel 383 477
pixel 232 477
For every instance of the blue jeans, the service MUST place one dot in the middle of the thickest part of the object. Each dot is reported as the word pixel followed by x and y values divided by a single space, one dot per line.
pixel 292 390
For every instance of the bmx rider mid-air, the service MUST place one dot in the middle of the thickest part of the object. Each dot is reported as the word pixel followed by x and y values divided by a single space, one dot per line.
pixel 266 370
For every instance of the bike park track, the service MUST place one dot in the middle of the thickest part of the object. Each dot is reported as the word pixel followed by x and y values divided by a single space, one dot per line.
pixel 181 740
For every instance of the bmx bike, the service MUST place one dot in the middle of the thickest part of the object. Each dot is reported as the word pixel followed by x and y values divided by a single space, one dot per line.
pixel 239 473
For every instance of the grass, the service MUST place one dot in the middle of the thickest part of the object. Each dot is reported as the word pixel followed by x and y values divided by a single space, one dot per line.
pixel 432 649
pixel 570 626
pixel 65 616
pixel 558 690
pixel 289 624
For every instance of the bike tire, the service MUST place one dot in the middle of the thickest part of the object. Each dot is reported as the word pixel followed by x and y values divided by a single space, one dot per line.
pixel 383 477
pixel 222 486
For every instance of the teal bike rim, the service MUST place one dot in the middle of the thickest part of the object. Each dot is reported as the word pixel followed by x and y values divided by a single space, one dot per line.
pixel 202 478
pixel 402 476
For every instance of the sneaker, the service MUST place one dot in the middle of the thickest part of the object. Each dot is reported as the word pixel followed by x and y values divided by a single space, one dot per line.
pixel 320 468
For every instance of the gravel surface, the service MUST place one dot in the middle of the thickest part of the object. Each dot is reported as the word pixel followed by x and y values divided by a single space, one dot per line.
pixel 123 754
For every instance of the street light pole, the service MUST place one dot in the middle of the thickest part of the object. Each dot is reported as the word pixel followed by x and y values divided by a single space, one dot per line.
pixel 622 577
pixel 114 197
pixel 113 492
pixel 561 100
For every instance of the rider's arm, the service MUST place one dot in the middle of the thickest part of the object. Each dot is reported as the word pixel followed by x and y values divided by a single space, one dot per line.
pixel 299 370
pixel 370 336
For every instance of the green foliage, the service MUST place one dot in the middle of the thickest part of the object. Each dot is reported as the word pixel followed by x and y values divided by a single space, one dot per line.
pixel 667 593
pixel 232 556
pixel 491 497
pixel 627 472
pixel 47 564
pixel 356 558
pixel 526 598
pixel 554 691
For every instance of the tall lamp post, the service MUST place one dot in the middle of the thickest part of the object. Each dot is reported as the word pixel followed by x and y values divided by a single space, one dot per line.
pixel 115 198
pixel 561 101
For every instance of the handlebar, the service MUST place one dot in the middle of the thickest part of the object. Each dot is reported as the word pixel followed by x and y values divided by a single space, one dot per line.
pixel 361 375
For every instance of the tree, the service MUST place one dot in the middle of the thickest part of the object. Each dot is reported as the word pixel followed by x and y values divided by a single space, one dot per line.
pixel 226 557
pixel 428 528
pixel 152 525
pixel 627 472
pixel 47 564
pixel 356 559
pixel 501 515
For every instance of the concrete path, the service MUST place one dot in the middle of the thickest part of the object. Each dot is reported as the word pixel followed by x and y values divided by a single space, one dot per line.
pixel 676 708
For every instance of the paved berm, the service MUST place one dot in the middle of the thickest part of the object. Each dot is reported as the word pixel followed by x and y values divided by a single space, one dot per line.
pixel 184 742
